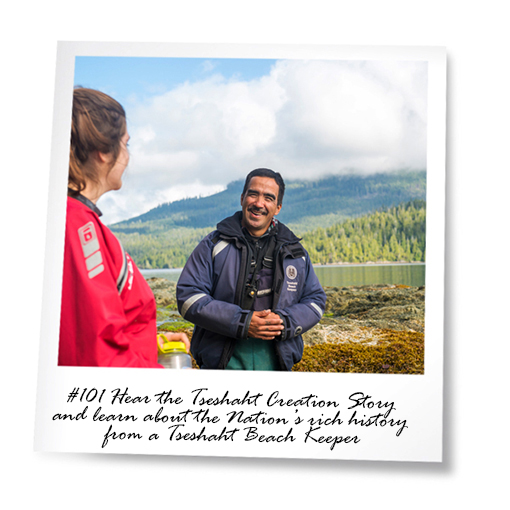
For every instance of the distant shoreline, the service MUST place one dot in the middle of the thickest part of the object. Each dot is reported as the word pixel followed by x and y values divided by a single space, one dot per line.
pixel 382 263
pixel 336 264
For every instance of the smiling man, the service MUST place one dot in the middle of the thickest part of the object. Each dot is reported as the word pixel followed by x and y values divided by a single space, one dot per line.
pixel 249 286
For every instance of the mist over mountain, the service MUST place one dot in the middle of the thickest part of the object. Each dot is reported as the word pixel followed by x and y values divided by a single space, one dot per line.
pixel 306 203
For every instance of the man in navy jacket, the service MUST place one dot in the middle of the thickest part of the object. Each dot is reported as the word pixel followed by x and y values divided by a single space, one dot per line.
pixel 249 286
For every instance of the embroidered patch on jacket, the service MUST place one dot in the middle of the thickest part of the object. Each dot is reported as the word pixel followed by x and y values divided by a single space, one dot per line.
pixel 91 251
pixel 291 272
pixel 292 283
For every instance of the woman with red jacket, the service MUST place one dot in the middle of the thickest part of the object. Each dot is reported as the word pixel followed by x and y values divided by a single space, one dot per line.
pixel 108 312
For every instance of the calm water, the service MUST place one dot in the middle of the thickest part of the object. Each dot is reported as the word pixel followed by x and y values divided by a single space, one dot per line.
pixel 339 276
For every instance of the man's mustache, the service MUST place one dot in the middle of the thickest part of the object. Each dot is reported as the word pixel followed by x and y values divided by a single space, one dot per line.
pixel 257 210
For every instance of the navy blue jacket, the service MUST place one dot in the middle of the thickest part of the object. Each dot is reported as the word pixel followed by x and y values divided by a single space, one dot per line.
pixel 212 282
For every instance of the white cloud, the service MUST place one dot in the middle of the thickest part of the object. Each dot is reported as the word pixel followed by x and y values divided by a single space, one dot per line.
pixel 208 66
pixel 304 119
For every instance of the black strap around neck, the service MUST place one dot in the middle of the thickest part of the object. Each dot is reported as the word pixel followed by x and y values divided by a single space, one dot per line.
pixel 263 257
pixel 85 201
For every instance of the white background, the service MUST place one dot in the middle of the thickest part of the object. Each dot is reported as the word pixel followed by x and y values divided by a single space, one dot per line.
pixel 476 337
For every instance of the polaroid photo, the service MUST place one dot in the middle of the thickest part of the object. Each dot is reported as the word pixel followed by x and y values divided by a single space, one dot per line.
pixel 350 277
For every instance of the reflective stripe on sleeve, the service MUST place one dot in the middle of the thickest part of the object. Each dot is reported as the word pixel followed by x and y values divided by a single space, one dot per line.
pixel 317 308
pixel 219 247
pixel 190 301
pixel 123 273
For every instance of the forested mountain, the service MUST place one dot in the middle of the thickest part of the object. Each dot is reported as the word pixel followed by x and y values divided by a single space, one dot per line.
pixel 168 249
pixel 306 204
pixel 389 234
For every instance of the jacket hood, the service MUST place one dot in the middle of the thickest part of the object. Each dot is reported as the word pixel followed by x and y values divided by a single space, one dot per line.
pixel 231 227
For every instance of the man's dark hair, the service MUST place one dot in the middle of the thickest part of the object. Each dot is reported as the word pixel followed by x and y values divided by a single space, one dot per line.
pixel 266 172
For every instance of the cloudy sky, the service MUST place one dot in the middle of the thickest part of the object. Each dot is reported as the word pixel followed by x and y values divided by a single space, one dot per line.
pixel 198 124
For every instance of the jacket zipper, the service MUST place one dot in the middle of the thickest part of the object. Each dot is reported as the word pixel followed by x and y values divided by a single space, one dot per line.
pixel 277 287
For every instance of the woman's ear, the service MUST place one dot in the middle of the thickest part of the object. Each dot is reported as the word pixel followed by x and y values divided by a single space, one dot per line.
pixel 102 157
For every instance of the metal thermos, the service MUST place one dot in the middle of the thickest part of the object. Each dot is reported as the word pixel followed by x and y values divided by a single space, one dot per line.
pixel 173 355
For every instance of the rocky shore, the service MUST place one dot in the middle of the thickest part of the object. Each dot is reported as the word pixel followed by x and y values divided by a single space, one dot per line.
pixel 361 313
pixel 365 329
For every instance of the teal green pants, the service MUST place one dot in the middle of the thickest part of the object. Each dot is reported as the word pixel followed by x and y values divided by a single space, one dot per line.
pixel 254 354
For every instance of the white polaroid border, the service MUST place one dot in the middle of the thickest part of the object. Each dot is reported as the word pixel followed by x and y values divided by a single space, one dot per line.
pixel 191 415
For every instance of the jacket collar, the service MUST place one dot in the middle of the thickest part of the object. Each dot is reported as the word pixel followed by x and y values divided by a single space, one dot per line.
pixel 85 201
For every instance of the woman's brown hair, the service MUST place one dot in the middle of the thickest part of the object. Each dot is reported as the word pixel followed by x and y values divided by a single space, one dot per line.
pixel 98 124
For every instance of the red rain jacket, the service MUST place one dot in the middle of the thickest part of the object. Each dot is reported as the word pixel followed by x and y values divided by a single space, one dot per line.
pixel 108 312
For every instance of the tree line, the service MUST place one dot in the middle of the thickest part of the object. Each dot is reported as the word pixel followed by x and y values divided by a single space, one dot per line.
pixel 390 234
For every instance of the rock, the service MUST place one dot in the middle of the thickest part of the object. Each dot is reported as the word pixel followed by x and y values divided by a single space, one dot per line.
pixel 366 313
pixel 164 292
